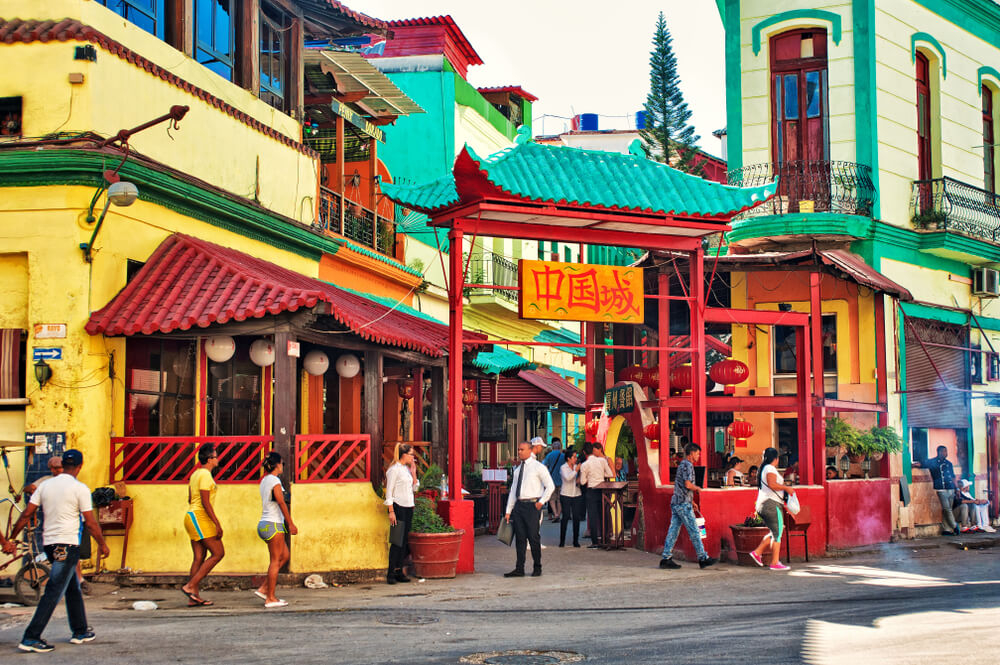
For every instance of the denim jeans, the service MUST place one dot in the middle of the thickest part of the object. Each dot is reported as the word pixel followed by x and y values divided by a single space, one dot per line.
pixel 947 497
pixel 683 514
pixel 62 580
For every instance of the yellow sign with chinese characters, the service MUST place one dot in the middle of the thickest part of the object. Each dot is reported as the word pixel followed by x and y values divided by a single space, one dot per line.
pixel 580 292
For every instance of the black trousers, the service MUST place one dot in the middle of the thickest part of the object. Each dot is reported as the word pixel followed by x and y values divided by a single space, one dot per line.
pixel 525 520
pixel 397 553
pixel 572 507
pixel 594 516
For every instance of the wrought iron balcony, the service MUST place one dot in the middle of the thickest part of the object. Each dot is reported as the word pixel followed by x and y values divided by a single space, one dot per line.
pixel 810 186
pixel 352 220
pixel 952 205
pixel 490 268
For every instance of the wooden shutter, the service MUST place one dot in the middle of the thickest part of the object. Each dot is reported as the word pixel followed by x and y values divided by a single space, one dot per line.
pixel 938 406
pixel 10 358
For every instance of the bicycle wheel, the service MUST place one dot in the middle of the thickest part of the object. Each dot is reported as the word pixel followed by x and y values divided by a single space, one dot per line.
pixel 30 582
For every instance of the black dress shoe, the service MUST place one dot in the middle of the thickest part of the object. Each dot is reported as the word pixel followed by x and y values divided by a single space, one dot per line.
pixel 576 544
pixel 593 547
pixel 400 577
pixel 562 544
pixel 389 579
pixel 537 572
pixel 514 573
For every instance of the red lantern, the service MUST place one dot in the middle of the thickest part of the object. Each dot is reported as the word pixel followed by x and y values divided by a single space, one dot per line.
pixel 654 444
pixel 741 443
pixel 741 429
pixel 652 430
pixel 591 427
pixel 729 372
pixel 680 378
pixel 469 397
pixel 405 388
pixel 652 377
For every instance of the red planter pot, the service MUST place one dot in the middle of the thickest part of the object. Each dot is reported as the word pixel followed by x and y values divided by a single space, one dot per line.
pixel 435 555
pixel 745 540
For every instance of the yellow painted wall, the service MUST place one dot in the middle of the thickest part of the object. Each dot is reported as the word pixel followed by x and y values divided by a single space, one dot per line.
pixel 116 95
pixel 341 527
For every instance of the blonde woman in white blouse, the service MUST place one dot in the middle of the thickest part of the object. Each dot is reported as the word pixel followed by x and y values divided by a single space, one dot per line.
pixel 400 482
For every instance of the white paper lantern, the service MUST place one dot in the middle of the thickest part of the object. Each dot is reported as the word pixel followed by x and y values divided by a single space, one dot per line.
pixel 220 348
pixel 262 353
pixel 348 365
pixel 316 363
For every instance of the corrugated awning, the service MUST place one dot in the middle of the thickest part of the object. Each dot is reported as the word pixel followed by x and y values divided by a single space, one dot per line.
pixel 500 360
pixel 551 383
pixel 532 386
pixel 355 74
pixel 191 283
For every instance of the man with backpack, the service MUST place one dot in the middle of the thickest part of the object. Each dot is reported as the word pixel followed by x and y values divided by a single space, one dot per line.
pixel 553 462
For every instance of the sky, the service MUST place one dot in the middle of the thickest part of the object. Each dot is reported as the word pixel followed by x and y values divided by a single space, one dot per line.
pixel 585 56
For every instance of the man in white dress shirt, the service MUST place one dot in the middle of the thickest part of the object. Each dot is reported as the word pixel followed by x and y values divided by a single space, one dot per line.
pixel 531 487
pixel 593 472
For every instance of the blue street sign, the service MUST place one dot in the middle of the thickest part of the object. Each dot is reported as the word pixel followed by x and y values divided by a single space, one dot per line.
pixel 47 353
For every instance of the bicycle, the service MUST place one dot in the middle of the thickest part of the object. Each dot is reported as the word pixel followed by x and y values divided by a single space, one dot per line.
pixel 30 579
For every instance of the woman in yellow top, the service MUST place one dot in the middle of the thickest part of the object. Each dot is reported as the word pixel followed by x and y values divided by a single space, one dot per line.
pixel 202 525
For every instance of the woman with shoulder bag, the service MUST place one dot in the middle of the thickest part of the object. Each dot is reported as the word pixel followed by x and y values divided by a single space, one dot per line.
pixel 770 509
pixel 400 483
pixel 571 498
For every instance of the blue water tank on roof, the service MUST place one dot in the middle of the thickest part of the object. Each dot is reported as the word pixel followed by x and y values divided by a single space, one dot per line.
pixel 588 122
pixel 640 120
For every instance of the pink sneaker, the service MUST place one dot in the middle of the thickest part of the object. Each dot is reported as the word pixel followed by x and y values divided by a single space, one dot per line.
pixel 780 566
pixel 756 558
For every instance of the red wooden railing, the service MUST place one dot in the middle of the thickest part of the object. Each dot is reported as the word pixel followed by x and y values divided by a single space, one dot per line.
pixel 171 460
pixel 325 458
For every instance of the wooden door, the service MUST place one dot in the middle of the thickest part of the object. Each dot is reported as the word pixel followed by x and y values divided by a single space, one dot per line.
pixel 924 171
pixel 988 141
pixel 799 117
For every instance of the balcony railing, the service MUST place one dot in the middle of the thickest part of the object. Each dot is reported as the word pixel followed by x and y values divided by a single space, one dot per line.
pixel 490 268
pixel 952 205
pixel 810 186
pixel 352 220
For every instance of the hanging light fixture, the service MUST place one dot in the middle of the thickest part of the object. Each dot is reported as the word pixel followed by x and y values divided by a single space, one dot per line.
pixel 262 353
pixel 220 348
pixel 348 366
pixel 316 362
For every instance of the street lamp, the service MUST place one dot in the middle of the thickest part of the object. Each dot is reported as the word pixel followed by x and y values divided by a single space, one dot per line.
pixel 123 194
pixel 845 465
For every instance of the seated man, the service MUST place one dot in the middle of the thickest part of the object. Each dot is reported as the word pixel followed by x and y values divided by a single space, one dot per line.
pixel 972 514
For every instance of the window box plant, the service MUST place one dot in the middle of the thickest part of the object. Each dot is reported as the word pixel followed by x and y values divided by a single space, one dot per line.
pixel 841 437
pixel 434 544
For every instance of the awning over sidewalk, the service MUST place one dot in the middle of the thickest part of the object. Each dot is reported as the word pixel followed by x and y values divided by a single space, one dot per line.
pixel 191 283
pixel 532 386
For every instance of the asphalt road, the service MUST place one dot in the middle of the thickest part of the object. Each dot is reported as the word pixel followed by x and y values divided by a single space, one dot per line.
pixel 905 606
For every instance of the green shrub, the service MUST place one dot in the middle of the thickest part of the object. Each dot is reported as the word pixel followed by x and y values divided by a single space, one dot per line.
pixel 431 480
pixel 426 520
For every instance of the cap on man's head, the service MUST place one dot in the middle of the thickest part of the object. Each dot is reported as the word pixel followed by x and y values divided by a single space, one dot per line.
pixel 537 441
pixel 965 483
pixel 72 457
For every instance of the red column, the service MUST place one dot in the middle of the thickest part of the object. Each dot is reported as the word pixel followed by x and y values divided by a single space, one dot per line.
pixel 663 359
pixel 455 511
pixel 819 411
pixel 804 394
pixel 881 369
pixel 699 421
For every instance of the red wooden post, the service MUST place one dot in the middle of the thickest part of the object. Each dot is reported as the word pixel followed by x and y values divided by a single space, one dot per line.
pixel 804 397
pixel 455 412
pixel 663 359
pixel 819 411
pixel 881 377
pixel 699 421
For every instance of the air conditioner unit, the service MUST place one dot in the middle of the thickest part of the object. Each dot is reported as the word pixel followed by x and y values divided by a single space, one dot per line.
pixel 985 282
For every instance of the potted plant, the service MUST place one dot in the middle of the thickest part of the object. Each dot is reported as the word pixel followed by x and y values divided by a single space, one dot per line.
pixel 434 544
pixel 841 437
pixel 746 538
pixel 878 441
pixel 430 483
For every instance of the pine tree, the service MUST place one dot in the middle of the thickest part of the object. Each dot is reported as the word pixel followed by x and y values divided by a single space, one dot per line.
pixel 668 135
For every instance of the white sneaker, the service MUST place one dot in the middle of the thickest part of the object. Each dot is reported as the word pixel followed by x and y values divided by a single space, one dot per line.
pixel 988 529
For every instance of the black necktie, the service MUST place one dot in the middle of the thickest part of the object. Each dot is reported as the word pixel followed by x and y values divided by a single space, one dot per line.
pixel 517 487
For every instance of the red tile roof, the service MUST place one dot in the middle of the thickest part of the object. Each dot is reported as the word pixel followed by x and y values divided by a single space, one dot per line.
pixel 516 89
pixel 27 31
pixel 363 19
pixel 559 388
pixel 191 283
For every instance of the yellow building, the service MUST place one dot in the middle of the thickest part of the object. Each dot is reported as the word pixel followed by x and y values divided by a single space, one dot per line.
pixel 129 259
pixel 877 118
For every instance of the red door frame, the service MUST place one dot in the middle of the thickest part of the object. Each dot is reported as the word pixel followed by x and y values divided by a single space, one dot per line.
pixel 992 460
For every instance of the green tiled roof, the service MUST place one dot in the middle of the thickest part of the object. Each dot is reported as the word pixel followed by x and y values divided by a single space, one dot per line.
pixel 559 335
pixel 557 174
pixel 568 373
pixel 500 360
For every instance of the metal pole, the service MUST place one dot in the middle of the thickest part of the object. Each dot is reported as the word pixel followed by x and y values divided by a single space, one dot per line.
pixel 663 359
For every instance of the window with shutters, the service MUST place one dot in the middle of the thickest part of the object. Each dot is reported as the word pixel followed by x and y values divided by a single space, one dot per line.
pixel 13 358
pixel 937 373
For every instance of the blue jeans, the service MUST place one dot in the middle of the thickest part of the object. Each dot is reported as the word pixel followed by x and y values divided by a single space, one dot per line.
pixel 62 580
pixel 683 514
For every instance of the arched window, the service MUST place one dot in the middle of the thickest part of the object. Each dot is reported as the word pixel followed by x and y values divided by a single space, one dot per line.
pixel 800 141
pixel 989 140
pixel 924 124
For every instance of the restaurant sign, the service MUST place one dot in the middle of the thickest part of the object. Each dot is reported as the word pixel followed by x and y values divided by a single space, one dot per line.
pixel 580 292
pixel 619 400
pixel 348 114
